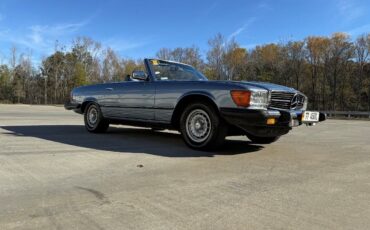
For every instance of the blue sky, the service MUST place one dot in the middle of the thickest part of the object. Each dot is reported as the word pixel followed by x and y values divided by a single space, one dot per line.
pixel 138 29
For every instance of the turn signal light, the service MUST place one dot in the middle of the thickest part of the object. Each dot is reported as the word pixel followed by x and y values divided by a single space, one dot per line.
pixel 241 97
pixel 271 121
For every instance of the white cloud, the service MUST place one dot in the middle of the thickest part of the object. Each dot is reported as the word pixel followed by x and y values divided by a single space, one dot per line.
pixel 359 30
pixel 211 8
pixel 41 38
pixel 350 10
pixel 41 33
pixel 120 45
pixel 36 35
pixel 264 6
pixel 237 32
pixel 241 29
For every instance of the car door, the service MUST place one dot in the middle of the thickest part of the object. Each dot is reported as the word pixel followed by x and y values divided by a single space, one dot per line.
pixel 132 100
pixel 166 97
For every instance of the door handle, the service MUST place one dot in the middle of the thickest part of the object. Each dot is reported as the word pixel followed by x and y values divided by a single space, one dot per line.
pixel 110 89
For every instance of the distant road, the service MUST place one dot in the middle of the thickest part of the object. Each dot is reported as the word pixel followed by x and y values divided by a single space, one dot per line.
pixel 55 175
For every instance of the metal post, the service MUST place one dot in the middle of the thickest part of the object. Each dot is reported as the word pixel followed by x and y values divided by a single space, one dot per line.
pixel 45 90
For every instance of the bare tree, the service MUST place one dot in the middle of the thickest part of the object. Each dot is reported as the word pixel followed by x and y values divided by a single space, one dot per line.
pixel 361 47
pixel 341 52
pixel 113 68
pixel 332 70
pixel 235 59
pixel 164 54
pixel 296 56
pixel 215 56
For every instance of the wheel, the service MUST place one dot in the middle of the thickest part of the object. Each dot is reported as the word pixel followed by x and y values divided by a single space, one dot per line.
pixel 94 121
pixel 201 127
pixel 262 140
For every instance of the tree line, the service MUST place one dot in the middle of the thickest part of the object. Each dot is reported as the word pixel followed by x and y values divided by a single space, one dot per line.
pixel 333 71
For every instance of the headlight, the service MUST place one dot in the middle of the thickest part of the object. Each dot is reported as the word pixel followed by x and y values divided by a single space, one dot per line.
pixel 254 99
pixel 259 99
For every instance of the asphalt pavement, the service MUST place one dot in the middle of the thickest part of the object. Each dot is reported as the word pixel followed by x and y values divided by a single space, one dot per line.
pixel 56 175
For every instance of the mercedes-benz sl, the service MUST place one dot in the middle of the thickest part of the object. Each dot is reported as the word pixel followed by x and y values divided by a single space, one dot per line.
pixel 171 95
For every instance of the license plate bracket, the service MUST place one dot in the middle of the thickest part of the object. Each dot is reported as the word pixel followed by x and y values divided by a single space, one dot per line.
pixel 293 123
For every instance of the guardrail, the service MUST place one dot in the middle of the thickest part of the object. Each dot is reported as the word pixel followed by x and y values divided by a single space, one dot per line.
pixel 347 114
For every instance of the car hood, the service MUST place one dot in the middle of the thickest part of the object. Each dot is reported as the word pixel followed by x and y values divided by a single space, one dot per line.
pixel 266 85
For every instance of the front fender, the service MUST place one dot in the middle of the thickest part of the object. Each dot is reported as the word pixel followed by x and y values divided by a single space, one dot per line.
pixel 86 101
pixel 190 97
pixel 196 93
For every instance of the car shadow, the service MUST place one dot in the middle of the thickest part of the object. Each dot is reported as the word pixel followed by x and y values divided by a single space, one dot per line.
pixel 134 140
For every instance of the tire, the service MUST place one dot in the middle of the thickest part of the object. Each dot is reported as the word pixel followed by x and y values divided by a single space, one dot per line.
pixel 262 140
pixel 201 127
pixel 94 121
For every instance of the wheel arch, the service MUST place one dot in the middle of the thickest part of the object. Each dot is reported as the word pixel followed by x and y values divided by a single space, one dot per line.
pixel 86 102
pixel 189 98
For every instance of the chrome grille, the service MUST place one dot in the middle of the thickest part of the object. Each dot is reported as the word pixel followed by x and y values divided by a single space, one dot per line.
pixel 298 103
pixel 286 100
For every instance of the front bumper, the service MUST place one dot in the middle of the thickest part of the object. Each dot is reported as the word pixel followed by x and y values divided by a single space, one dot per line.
pixel 72 106
pixel 254 122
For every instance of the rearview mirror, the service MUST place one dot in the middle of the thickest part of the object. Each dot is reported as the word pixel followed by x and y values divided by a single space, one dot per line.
pixel 139 75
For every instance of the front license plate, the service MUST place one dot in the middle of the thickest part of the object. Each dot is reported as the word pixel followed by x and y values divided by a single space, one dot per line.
pixel 309 117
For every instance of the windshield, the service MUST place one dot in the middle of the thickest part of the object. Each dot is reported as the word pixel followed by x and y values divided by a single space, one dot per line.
pixel 170 71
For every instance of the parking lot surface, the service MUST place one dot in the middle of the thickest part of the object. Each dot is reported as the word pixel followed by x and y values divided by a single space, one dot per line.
pixel 55 175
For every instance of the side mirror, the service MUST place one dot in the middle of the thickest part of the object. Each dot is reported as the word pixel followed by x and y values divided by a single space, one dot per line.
pixel 139 75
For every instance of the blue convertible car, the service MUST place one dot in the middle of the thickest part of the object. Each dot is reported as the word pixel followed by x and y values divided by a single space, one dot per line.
pixel 171 95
